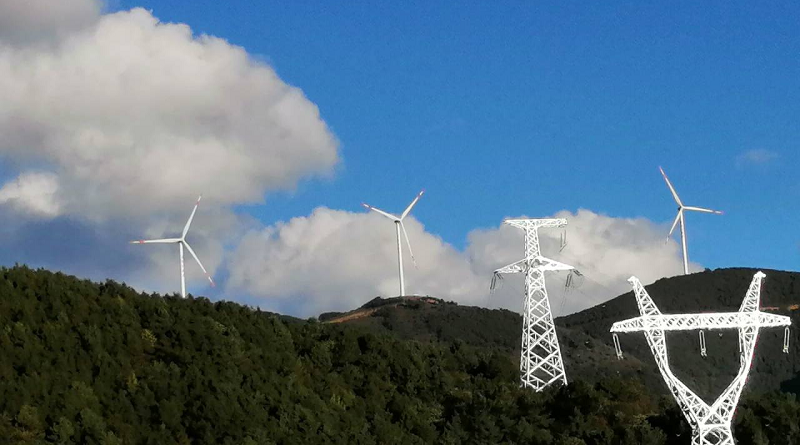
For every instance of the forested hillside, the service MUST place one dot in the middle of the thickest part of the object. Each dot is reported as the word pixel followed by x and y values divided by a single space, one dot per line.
pixel 88 363
pixel 586 342
pixel 721 290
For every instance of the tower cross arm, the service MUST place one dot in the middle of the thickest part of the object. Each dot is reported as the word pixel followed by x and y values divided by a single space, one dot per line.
pixel 547 264
pixel 536 223
pixel 516 267
pixel 711 424
pixel 539 263
pixel 687 322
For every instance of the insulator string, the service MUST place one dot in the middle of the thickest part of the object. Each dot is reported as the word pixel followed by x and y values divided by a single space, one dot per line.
pixel 617 347
pixel 703 344
pixel 786 340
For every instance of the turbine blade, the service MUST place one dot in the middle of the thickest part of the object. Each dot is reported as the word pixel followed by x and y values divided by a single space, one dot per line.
pixel 156 241
pixel 388 215
pixel 671 188
pixel 413 203
pixel 675 224
pixel 701 209
pixel 191 217
pixel 408 242
pixel 189 248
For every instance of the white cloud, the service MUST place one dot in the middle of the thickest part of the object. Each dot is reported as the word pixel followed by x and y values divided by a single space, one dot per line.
pixel 337 260
pixel 756 156
pixel 135 116
pixel 37 21
pixel 117 122
pixel 606 250
pixel 32 193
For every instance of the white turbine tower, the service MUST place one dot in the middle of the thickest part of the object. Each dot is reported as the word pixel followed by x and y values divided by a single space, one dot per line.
pixel 711 424
pixel 398 222
pixel 680 218
pixel 540 362
pixel 181 242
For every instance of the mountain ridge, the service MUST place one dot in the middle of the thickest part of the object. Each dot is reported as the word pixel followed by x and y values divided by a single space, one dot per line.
pixel 99 363
pixel 586 340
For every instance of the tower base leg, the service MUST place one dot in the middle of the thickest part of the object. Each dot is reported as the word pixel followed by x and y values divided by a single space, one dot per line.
pixel 713 435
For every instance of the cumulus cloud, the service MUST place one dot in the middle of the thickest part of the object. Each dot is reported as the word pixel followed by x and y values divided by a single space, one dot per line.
pixel 605 250
pixel 43 21
pixel 333 259
pixel 32 193
pixel 336 260
pixel 134 116
pixel 113 124
pixel 757 156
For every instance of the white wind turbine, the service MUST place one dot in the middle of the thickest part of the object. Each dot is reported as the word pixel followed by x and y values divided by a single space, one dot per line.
pixel 680 218
pixel 181 242
pixel 398 222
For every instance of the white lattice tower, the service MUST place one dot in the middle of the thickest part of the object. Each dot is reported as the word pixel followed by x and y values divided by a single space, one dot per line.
pixel 540 361
pixel 711 424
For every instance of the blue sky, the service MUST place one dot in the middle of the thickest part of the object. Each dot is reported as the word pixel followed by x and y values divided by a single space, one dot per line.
pixel 113 118
pixel 506 108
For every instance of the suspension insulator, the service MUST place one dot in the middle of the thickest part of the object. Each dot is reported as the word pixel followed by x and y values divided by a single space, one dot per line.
pixel 786 340
pixel 703 344
pixel 617 347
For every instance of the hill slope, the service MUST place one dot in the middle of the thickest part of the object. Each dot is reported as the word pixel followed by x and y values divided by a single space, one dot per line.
pixel 88 363
pixel 721 290
pixel 432 319
pixel 586 341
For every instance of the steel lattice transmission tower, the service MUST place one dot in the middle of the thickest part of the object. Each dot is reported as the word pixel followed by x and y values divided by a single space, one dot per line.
pixel 540 361
pixel 711 424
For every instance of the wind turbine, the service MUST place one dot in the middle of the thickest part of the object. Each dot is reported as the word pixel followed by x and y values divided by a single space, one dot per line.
pixel 181 242
pixel 398 223
pixel 680 218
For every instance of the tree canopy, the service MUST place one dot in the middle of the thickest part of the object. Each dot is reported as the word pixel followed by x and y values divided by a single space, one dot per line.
pixel 89 363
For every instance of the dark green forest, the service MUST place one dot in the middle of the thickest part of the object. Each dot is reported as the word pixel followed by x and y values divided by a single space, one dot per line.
pixel 89 363
pixel 586 342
